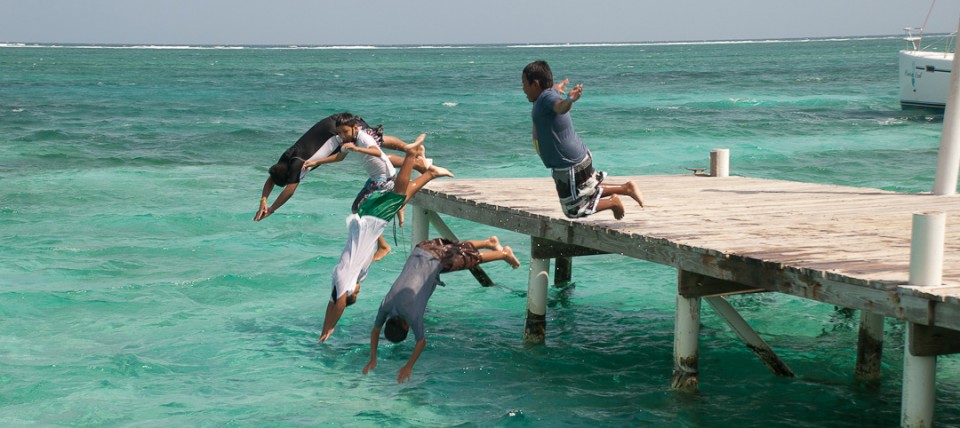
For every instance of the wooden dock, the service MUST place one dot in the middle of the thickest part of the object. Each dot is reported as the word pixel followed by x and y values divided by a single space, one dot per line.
pixel 845 246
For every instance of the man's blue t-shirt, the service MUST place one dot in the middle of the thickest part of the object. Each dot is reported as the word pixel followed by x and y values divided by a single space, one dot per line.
pixel 557 142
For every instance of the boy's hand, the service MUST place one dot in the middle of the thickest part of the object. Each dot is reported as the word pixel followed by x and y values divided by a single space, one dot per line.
pixel 404 374
pixel 370 366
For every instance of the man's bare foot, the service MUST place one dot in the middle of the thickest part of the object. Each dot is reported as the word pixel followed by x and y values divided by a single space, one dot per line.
pixel 325 336
pixel 439 171
pixel 381 253
pixel 617 207
pixel 510 258
pixel 634 193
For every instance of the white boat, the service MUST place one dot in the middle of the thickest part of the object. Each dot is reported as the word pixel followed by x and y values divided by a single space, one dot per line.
pixel 925 73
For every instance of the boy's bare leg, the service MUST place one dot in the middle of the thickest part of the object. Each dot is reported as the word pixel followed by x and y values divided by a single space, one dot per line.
pixel 403 185
pixel 491 243
pixel 627 189
pixel 612 203
pixel 394 143
pixel 383 248
pixel 504 253
pixel 420 166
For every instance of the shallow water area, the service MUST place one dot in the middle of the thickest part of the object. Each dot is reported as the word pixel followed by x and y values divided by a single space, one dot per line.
pixel 135 289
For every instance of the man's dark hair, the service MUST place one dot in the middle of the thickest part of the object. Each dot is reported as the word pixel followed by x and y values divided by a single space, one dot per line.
pixel 539 71
pixel 278 173
pixel 346 119
pixel 395 331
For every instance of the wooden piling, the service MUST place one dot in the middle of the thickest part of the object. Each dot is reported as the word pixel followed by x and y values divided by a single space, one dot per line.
pixel 869 346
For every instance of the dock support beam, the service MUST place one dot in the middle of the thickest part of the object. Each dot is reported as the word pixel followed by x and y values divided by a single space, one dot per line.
pixel 870 346
pixel 749 336
pixel 686 337
pixel 535 328
pixel 562 271
pixel 920 372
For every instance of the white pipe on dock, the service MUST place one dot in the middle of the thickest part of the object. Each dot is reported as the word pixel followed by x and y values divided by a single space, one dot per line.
pixel 535 329
pixel 948 159
pixel 720 163
pixel 421 225
pixel 926 269
pixel 686 341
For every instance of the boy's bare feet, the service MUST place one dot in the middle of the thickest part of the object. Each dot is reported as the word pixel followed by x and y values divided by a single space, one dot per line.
pixel 494 243
pixel 617 207
pixel 416 146
pixel 510 258
pixel 439 171
pixel 634 193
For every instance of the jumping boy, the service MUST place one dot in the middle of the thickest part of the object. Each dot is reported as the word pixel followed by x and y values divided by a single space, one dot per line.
pixel 319 145
pixel 365 226
pixel 579 186
pixel 404 305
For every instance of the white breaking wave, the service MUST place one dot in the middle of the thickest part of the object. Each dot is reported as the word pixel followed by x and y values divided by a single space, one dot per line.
pixel 450 104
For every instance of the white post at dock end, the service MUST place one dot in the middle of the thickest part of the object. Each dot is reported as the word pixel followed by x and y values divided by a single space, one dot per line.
pixel 926 269
pixel 720 163
pixel 421 225
pixel 948 159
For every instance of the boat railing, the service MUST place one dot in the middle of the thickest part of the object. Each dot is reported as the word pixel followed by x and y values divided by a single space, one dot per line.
pixel 934 42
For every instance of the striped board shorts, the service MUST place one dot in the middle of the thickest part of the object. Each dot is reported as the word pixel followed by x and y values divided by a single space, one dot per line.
pixel 579 188
pixel 369 188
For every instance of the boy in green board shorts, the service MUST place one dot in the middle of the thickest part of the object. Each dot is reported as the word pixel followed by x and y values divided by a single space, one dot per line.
pixel 365 227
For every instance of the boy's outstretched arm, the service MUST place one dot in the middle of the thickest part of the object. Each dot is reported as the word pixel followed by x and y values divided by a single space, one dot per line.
pixel 374 342
pixel 334 312
pixel 405 371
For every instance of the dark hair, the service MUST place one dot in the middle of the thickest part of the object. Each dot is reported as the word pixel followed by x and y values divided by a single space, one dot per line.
pixel 278 173
pixel 346 119
pixel 539 71
pixel 395 331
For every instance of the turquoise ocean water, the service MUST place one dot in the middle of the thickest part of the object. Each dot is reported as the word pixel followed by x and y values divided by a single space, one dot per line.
pixel 135 289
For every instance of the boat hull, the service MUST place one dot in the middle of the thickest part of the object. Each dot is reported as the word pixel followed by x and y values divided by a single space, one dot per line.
pixel 924 78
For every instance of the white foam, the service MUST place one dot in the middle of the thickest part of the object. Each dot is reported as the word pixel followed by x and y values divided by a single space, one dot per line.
pixel 450 104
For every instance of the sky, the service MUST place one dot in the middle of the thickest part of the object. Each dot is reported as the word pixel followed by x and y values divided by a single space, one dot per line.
pixel 431 22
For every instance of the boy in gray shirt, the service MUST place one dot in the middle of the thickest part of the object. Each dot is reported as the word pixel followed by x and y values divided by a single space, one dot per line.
pixel 404 305
pixel 581 189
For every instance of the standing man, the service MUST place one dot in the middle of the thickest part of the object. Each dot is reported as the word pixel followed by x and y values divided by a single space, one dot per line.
pixel 406 302
pixel 578 185
pixel 319 145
